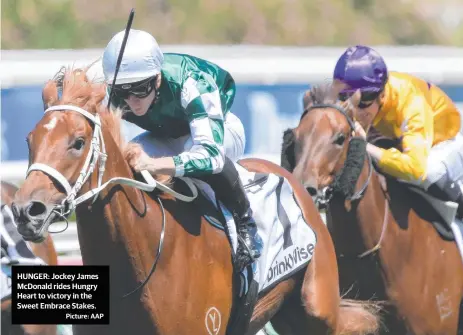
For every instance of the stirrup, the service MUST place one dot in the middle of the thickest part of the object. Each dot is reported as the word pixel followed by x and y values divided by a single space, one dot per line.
pixel 246 248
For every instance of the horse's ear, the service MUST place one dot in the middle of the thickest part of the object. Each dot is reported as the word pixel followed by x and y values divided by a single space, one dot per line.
pixel 351 105
pixel 98 94
pixel 355 98
pixel 333 90
pixel 336 87
pixel 306 100
pixel 49 94
pixel 288 156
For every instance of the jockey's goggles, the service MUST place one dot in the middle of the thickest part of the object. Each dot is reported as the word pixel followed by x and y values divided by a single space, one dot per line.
pixel 366 99
pixel 140 89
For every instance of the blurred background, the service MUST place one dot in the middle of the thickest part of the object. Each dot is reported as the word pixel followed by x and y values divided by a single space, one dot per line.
pixel 43 24
pixel 275 49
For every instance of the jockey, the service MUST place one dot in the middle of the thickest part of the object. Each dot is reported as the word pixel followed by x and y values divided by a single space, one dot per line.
pixel 418 113
pixel 183 103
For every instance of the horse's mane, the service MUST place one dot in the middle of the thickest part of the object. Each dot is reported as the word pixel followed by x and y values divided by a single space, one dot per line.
pixel 73 86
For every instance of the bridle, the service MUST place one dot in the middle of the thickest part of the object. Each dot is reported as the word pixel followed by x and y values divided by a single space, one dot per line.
pixel 323 198
pixel 97 155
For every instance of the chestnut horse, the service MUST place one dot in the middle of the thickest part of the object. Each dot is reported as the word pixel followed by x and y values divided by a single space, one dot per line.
pixel 46 251
pixel 385 245
pixel 136 233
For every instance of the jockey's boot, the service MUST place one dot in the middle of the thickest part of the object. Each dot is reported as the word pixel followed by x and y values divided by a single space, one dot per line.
pixel 250 243
pixel 230 191
pixel 460 208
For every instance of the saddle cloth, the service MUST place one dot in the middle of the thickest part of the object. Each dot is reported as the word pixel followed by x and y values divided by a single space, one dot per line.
pixel 288 240
pixel 5 285
pixel 5 275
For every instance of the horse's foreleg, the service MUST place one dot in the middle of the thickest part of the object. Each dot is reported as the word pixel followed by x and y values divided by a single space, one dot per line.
pixel 312 315
pixel 270 304
pixel 46 251
pixel 320 288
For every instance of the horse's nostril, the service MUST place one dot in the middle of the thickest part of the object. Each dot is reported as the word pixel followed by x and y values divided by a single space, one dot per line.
pixel 36 208
pixel 312 191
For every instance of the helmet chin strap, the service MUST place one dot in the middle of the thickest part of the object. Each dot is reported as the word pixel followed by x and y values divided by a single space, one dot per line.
pixel 157 86
pixel 157 94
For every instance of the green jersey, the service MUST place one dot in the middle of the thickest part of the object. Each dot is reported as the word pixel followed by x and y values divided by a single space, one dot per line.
pixel 194 97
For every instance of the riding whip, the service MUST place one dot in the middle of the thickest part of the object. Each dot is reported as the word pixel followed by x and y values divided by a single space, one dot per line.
pixel 121 53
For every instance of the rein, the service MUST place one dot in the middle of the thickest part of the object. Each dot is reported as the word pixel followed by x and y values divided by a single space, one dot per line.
pixel 97 154
pixel 324 197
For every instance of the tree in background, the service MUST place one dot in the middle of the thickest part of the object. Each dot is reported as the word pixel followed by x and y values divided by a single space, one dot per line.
pixel 38 24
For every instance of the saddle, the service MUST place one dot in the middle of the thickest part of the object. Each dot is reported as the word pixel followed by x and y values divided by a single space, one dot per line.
pixel 441 213
pixel 445 212
pixel 245 288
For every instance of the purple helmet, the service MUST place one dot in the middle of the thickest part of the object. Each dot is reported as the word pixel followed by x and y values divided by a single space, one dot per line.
pixel 362 68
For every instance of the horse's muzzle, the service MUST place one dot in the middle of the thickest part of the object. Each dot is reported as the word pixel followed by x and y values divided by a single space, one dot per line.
pixel 320 197
pixel 32 219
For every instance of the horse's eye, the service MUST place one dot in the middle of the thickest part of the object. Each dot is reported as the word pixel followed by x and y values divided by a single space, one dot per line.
pixel 78 144
pixel 339 140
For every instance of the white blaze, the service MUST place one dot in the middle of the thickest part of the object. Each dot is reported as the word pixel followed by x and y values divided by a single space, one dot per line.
pixel 50 125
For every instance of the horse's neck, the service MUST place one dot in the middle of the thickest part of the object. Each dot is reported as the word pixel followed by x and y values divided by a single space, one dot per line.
pixel 359 227
pixel 372 211
pixel 119 230
pixel 111 218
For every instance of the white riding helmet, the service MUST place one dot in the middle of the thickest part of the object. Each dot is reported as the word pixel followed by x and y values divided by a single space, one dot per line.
pixel 142 57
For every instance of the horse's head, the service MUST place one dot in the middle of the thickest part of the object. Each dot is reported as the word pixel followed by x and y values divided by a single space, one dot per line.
pixel 322 151
pixel 63 146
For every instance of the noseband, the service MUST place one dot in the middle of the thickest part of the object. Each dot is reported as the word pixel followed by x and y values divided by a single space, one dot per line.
pixel 323 197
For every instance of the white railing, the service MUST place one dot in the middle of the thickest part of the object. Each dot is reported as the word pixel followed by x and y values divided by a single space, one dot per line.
pixel 248 64
pixel 13 171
